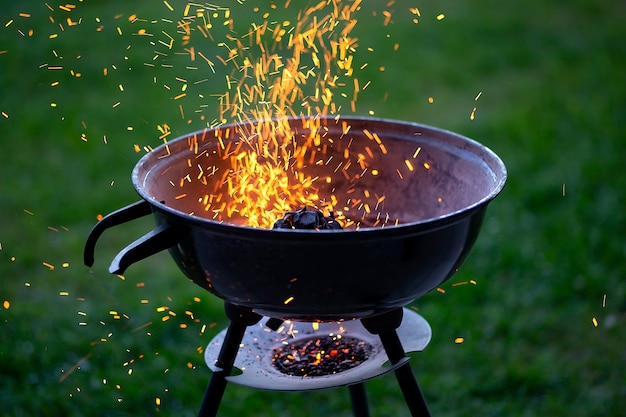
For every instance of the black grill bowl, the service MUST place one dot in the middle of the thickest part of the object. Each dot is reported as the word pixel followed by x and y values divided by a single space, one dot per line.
pixel 331 274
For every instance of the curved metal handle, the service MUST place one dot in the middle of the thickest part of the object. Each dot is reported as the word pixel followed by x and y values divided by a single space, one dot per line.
pixel 123 215
pixel 161 238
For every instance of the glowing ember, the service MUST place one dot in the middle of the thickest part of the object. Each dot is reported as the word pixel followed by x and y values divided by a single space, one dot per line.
pixel 321 356
pixel 278 69
pixel 331 165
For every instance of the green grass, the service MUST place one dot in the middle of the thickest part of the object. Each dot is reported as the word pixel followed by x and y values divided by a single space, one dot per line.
pixel 553 106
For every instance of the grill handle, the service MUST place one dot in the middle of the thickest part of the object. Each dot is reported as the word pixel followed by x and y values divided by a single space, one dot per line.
pixel 163 237
pixel 123 215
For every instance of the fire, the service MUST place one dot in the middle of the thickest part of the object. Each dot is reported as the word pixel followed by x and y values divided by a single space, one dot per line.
pixel 255 172
pixel 278 69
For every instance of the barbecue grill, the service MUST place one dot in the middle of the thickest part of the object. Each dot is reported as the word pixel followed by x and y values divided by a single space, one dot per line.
pixel 411 199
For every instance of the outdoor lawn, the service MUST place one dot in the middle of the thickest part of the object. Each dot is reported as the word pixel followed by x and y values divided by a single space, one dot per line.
pixel 533 324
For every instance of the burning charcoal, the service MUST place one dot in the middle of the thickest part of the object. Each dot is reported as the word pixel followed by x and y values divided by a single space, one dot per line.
pixel 307 219
pixel 321 356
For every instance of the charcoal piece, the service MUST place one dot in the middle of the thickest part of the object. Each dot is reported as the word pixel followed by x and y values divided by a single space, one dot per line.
pixel 307 219
pixel 321 356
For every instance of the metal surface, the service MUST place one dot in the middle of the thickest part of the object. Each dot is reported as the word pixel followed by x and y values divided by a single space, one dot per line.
pixel 335 274
pixel 254 358
pixel 384 326
pixel 240 319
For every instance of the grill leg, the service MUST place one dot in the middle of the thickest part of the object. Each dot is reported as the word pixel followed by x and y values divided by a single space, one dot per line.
pixel 359 400
pixel 385 326
pixel 240 319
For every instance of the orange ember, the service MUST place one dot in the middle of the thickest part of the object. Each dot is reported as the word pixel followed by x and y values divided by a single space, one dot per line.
pixel 278 70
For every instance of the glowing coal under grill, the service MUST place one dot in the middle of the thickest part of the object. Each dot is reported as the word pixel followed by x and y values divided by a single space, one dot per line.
pixel 411 199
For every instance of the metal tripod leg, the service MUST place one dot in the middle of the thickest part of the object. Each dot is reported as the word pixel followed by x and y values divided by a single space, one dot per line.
pixel 240 319
pixel 359 400
pixel 385 326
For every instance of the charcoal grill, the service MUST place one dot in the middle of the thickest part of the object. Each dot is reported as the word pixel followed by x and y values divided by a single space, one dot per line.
pixel 436 186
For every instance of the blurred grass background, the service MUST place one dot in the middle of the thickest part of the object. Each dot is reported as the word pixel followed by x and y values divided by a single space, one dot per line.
pixel 550 260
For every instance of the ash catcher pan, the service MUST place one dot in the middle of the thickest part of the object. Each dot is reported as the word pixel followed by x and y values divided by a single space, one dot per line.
pixel 257 355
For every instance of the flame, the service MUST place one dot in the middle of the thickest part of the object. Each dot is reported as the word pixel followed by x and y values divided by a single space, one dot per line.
pixel 281 73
